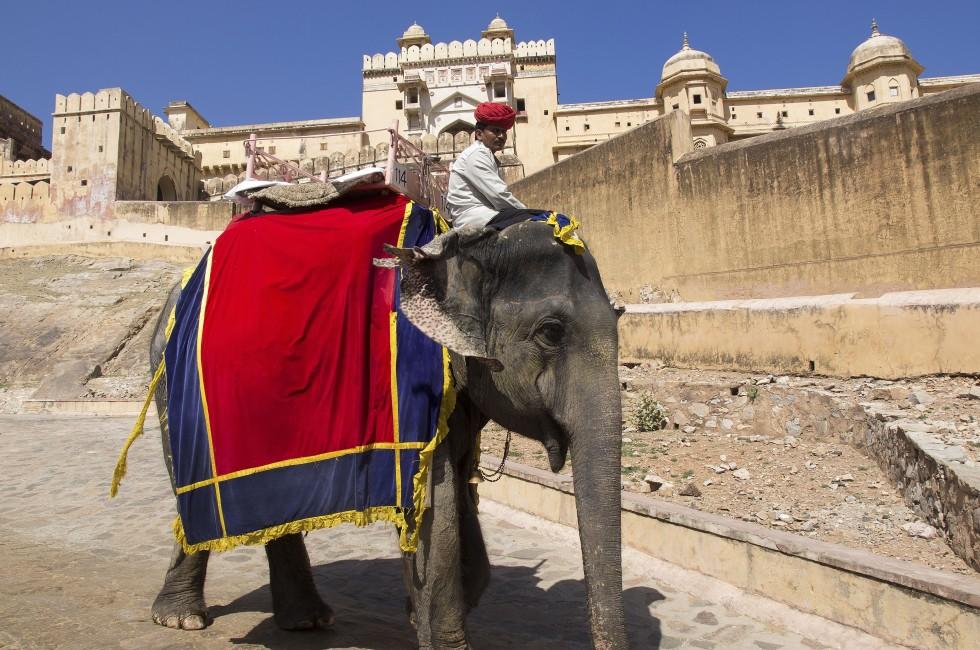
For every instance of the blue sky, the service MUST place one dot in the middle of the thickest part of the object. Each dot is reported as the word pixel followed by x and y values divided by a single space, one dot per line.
pixel 262 64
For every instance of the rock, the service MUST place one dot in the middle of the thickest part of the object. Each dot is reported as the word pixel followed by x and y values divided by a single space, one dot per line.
pixel 809 525
pixel 708 482
pixel 843 478
pixel 742 474
pixel 973 393
pixel 636 486
pixel 793 470
pixel 629 430
pixel 698 409
pixel 793 427
pixel 705 617
pixel 791 441
pixel 723 458
pixel 656 483
pixel 727 424
pixel 920 396
pixel 920 529
pixel 627 440
pixel 850 498
pixel 783 381
pixel 689 429
pixel 679 419
pixel 690 490
pixel 711 424
pixel 762 516
pixel 785 518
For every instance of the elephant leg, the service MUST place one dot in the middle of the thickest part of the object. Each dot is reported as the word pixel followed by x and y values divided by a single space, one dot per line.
pixel 434 575
pixel 180 603
pixel 474 559
pixel 295 601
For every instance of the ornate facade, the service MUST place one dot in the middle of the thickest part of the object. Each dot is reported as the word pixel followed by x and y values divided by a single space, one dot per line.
pixel 430 90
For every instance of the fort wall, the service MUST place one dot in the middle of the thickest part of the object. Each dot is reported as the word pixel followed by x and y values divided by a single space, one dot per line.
pixel 882 200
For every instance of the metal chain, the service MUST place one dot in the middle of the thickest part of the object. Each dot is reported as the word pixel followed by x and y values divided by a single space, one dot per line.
pixel 494 476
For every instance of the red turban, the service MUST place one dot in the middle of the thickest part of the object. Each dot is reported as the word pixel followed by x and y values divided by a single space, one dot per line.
pixel 494 114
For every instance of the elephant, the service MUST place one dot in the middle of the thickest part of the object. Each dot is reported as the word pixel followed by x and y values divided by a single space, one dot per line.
pixel 533 345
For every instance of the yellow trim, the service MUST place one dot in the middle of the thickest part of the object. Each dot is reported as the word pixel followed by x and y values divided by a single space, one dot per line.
pixel 120 471
pixel 357 517
pixel 204 399
pixel 136 432
pixel 393 360
pixel 567 235
pixel 442 226
pixel 409 543
pixel 300 461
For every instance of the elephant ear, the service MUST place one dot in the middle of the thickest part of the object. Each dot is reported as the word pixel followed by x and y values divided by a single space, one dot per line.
pixel 440 297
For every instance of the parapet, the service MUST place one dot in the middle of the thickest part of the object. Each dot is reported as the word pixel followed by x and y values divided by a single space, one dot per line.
pixel 458 50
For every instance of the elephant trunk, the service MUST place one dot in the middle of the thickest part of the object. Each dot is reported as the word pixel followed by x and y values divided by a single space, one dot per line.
pixel 595 439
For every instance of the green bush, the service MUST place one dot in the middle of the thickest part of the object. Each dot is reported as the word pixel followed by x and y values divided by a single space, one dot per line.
pixel 649 415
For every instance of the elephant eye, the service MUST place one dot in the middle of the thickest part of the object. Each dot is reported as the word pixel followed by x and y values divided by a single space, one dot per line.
pixel 550 333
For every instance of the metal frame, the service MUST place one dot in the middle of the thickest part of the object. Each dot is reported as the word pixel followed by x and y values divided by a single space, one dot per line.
pixel 409 170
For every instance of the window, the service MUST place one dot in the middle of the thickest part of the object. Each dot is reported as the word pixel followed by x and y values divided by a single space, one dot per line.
pixel 587 127
pixel 676 106
pixel 568 128
pixel 458 102
pixel 521 107
pixel 226 154
pixel 394 79
pixel 759 115
pixel 323 146
pixel 84 183
pixel 734 116
pixel 629 124
pixel 471 74
pixel 398 104
pixel 413 95
pixel 893 90
pixel 700 144
pixel 697 99
pixel 836 111
pixel 457 75
pixel 546 111
pixel 810 112
pixel 499 90
pixel 871 95
pixel 62 130
pixel 617 123
pixel 413 123
pixel 100 148
pixel 70 168
pixel 430 77
pixel 443 76
pixel 271 150
pixel 785 113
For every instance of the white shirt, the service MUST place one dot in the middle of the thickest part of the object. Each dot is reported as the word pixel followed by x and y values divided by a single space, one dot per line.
pixel 476 191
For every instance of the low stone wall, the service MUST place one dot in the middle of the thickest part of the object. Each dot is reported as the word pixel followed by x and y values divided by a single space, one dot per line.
pixel 199 215
pixel 901 602
pixel 903 334
pixel 935 480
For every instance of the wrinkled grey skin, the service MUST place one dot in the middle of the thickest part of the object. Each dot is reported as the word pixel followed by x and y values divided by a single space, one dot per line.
pixel 534 347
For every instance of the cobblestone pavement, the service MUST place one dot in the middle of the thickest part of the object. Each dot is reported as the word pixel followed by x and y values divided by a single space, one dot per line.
pixel 80 571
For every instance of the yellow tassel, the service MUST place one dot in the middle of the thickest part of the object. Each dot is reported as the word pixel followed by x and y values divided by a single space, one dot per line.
pixel 388 514
pixel 120 471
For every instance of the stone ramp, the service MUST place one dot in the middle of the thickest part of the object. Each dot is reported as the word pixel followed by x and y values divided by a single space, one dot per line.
pixel 81 571
pixel 75 327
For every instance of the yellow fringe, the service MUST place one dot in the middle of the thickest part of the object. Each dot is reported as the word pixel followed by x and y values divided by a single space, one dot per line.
pixel 388 514
pixel 568 234
pixel 409 543
pixel 136 432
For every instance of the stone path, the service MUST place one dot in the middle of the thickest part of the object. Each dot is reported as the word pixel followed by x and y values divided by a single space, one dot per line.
pixel 80 571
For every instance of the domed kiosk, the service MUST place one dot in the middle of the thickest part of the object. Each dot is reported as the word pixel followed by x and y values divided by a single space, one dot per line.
pixel 414 35
pixel 881 69
pixel 691 81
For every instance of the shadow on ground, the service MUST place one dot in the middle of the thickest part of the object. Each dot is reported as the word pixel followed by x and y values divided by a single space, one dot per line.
pixel 368 598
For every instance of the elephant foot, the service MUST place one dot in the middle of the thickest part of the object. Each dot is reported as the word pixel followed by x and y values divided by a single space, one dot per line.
pixel 309 616
pixel 180 613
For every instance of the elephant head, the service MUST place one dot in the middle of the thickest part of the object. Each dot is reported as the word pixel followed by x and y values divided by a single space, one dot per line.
pixel 534 344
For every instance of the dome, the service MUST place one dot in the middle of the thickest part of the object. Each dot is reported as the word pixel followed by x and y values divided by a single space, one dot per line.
pixel 689 60
pixel 414 31
pixel 878 46
pixel 496 24
pixel 414 35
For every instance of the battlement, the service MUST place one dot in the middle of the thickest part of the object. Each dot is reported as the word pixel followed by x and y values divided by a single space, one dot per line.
pixel 24 170
pixel 459 50
pixel 117 100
